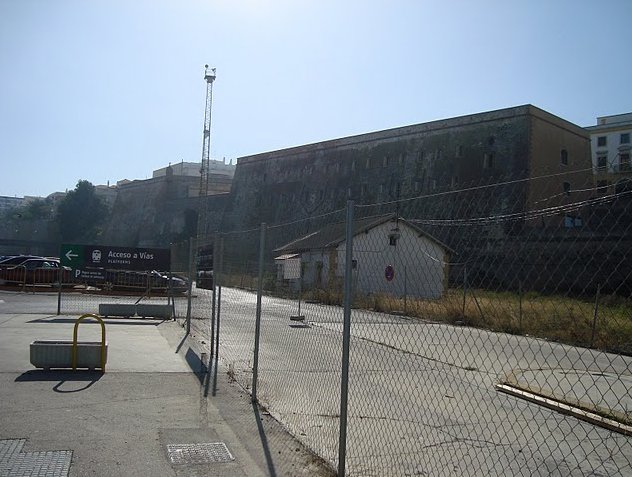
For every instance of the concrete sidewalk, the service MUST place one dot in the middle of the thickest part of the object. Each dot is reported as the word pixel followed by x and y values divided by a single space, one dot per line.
pixel 149 414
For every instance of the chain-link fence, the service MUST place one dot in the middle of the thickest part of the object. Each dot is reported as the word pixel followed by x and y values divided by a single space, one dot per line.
pixel 484 329
pixel 489 329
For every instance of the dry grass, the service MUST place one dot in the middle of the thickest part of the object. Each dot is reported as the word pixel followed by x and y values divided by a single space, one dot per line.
pixel 553 317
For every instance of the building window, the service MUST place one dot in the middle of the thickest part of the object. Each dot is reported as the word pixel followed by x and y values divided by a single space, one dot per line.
pixel 571 221
pixel 401 159
pixel 367 164
pixel 602 163
pixel 459 151
pixel 488 160
pixel 624 162
pixel 625 138
pixel 601 141
pixel 567 188
pixel 353 166
pixel 385 161
pixel 564 157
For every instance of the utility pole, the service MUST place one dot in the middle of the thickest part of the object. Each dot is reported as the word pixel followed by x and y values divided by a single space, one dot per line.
pixel 205 172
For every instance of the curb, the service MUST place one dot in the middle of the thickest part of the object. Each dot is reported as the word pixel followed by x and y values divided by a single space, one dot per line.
pixel 587 416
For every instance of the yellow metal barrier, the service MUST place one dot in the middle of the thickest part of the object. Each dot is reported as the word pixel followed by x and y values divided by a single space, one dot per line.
pixel 74 340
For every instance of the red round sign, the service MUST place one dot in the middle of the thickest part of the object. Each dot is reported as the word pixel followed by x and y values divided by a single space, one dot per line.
pixel 389 272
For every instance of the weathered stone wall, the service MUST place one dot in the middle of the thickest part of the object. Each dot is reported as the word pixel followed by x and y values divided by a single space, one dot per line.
pixel 158 211
pixel 424 159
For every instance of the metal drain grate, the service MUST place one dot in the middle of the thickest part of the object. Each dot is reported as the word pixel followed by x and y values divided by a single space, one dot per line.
pixel 204 453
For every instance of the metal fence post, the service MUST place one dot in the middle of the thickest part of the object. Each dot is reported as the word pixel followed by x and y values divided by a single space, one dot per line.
pixel 520 306
pixel 191 277
pixel 214 295
pixel 61 277
pixel 255 369
pixel 405 290
pixel 219 308
pixel 346 339
pixel 464 288
pixel 595 315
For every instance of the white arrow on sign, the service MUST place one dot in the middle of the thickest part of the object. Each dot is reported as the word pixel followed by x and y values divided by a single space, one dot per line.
pixel 69 255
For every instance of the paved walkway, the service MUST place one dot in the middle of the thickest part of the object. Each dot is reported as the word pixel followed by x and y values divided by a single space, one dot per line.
pixel 151 413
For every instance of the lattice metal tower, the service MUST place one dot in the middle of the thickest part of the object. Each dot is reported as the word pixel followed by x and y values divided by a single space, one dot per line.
pixel 205 168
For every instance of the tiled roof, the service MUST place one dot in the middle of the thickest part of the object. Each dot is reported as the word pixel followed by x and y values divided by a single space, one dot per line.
pixel 334 234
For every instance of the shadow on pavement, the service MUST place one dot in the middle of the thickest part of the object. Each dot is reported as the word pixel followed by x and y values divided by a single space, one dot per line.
pixel 85 378
pixel 264 440
pixel 196 364
pixel 107 321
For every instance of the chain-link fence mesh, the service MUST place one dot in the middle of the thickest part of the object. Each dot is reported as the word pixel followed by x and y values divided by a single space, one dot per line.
pixel 490 332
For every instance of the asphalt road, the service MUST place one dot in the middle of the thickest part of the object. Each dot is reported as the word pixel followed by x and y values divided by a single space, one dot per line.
pixel 422 396
pixel 422 399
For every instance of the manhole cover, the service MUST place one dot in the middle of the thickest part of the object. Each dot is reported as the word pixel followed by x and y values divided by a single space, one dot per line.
pixel 205 453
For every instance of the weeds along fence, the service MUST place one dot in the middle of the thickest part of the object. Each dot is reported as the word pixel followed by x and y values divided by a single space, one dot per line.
pixel 485 330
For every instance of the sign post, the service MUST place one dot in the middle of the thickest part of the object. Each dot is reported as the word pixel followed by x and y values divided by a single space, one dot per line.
pixel 389 273
pixel 292 271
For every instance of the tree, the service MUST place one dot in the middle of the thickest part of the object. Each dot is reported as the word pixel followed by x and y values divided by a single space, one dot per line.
pixel 81 215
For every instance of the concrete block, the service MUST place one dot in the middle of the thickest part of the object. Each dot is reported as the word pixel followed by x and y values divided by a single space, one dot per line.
pixel 58 354
pixel 156 311
pixel 117 309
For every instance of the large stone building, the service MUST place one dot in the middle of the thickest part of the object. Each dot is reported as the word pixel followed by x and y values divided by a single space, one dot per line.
pixel 158 211
pixel 507 161
pixel 220 175
pixel 7 203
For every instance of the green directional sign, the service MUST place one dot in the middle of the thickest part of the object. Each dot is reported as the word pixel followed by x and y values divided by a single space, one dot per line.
pixel 72 255
pixel 79 257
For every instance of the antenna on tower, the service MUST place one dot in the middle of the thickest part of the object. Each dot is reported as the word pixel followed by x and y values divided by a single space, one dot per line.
pixel 209 77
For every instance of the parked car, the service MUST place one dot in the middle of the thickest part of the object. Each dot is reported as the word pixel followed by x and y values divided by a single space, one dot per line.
pixel 36 271
pixel 177 283
pixel 205 279
pixel 14 260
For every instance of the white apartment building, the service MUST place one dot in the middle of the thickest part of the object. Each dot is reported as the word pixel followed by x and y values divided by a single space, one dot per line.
pixel 611 144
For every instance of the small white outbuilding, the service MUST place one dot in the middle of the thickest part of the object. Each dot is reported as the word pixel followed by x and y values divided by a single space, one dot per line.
pixel 391 256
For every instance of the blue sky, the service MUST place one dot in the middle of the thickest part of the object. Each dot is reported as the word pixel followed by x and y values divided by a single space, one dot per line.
pixel 108 90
